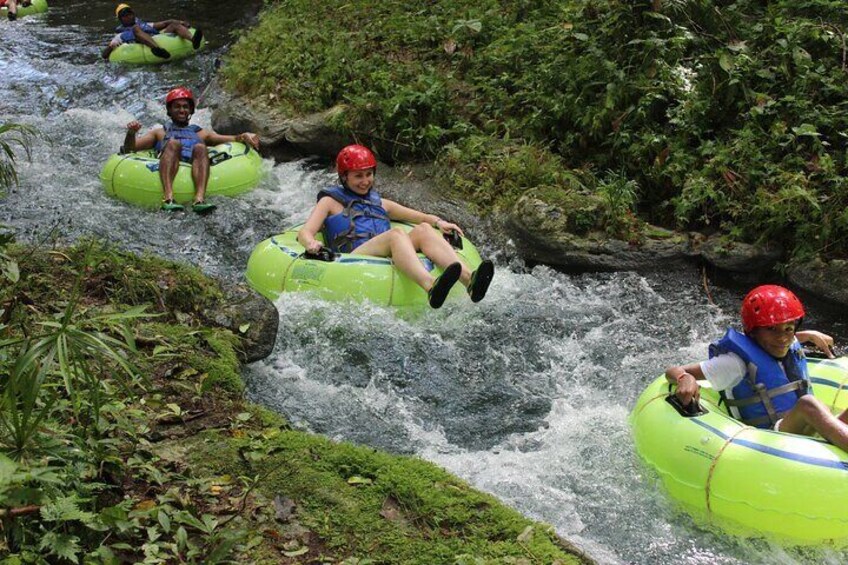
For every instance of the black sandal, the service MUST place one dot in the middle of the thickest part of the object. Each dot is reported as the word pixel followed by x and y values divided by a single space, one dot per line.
pixel 441 287
pixel 196 39
pixel 161 53
pixel 480 280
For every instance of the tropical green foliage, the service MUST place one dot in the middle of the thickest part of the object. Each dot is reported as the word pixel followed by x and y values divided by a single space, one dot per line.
pixel 12 136
pixel 74 409
pixel 124 439
pixel 725 116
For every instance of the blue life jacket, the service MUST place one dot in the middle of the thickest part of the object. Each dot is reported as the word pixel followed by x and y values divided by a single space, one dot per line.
pixel 187 136
pixel 145 27
pixel 771 386
pixel 363 217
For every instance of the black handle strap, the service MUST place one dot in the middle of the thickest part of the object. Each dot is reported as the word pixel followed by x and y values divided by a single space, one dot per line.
pixel 323 254
pixel 690 410
pixel 454 239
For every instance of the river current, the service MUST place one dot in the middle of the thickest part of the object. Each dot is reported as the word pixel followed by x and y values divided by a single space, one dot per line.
pixel 525 395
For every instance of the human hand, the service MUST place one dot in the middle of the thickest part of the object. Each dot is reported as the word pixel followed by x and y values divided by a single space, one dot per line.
pixel 249 138
pixel 821 340
pixel 447 227
pixel 134 126
pixel 688 389
pixel 313 247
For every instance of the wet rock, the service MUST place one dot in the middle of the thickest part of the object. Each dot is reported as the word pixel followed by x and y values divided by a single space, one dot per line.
pixel 284 137
pixel 736 257
pixel 249 315
pixel 824 279
pixel 541 235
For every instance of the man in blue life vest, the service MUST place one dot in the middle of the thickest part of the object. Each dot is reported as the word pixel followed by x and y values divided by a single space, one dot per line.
pixel 762 373
pixel 135 30
pixel 181 141
pixel 355 219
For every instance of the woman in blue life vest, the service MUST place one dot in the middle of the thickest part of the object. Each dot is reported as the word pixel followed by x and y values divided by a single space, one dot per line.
pixel 181 141
pixel 135 30
pixel 355 219
pixel 762 373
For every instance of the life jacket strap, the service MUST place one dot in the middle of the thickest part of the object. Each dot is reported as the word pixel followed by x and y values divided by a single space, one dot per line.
pixel 345 240
pixel 764 396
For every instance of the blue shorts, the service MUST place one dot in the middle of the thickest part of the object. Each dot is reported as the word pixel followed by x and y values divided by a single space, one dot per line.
pixel 185 153
pixel 128 36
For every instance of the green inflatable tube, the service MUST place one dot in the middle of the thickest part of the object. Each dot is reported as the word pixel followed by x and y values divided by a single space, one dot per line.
pixel 37 7
pixel 134 177
pixel 138 54
pixel 278 265
pixel 751 482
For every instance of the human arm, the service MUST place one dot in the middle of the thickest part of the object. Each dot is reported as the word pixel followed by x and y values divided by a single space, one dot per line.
pixel 306 235
pixel 686 378
pixel 404 214
pixel 146 141
pixel 210 137
pixel 821 340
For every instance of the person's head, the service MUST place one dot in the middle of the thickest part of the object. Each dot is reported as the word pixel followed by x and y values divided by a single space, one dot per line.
pixel 356 166
pixel 179 103
pixel 125 14
pixel 771 315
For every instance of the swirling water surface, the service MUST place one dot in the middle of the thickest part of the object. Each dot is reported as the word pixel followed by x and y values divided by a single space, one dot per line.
pixel 526 395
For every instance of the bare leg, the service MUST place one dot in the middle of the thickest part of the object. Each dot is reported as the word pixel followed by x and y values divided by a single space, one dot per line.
pixel 199 171
pixel 431 243
pixel 143 37
pixel 396 244
pixel 169 164
pixel 178 29
pixel 811 415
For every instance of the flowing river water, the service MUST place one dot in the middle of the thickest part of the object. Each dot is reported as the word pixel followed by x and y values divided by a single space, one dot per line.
pixel 525 395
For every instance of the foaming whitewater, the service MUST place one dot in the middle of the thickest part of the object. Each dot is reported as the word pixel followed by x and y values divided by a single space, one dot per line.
pixel 525 395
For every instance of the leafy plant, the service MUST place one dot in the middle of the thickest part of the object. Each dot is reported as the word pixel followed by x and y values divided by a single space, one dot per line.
pixel 12 136
pixel 712 110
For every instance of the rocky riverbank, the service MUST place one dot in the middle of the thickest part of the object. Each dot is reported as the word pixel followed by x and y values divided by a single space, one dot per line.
pixel 145 449
pixel 537 228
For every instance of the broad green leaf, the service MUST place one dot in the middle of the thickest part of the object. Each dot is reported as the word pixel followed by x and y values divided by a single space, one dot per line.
pixel 806 130
pixel 726 62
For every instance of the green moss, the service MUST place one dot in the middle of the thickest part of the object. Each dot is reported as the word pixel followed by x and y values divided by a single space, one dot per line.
pixel 179 464
pixel 392 509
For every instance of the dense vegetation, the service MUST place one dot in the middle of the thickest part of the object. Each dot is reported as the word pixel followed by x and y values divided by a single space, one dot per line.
pixel 124 439
pixel 724 116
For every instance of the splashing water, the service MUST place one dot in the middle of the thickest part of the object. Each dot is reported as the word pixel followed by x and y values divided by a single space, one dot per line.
pixel 525 395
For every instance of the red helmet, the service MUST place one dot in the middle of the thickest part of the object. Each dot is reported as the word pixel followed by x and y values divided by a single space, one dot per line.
pixel 180 93
pixel 769 305
pixel 355 158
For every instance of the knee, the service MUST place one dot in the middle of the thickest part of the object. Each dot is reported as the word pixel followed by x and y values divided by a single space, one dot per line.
pixel 809 405
pixel 398 235
pixel 423 230
pixel 173 146
pixel 199 150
